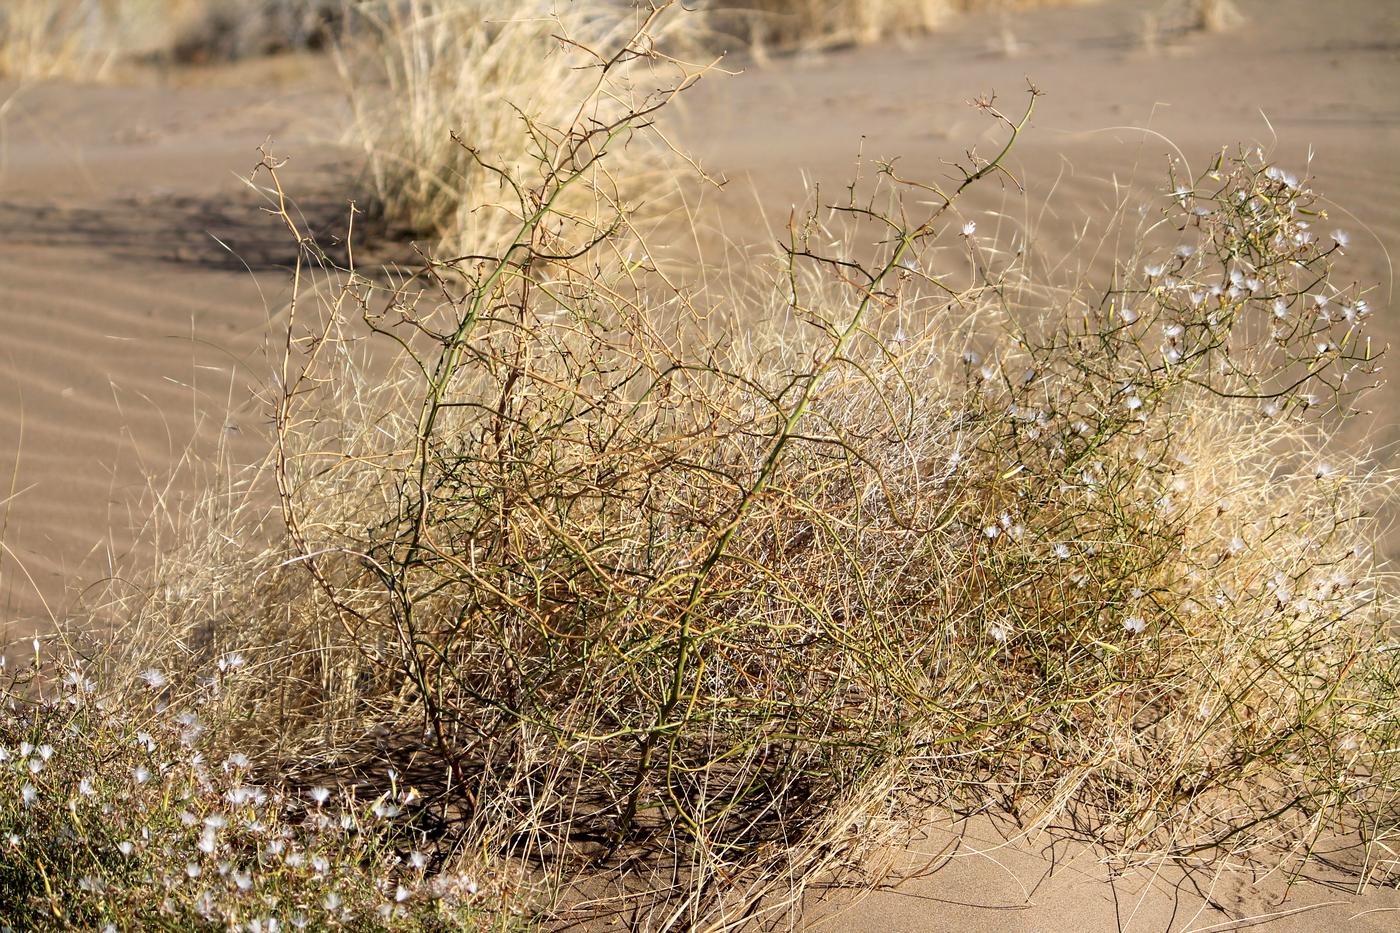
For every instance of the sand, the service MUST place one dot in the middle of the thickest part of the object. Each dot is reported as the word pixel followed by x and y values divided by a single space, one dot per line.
pixel 138 281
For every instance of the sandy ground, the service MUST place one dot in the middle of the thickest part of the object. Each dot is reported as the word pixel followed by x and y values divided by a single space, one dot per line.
pixel 138 279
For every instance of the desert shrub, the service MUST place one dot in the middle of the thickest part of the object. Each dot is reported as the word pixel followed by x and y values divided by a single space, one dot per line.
pixel 688 608
pixel 679 592
pixel 113 815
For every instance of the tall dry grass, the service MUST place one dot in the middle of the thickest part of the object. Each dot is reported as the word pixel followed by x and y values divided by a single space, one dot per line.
pixel 453 99
pixel 41 39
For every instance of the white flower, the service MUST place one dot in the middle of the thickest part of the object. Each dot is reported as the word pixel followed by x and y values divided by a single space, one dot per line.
pixel 1341 238
pixel 231 661
pixel 125 847
pixel 239 796
pixel 1132 403
pixel 28 793
pixel 1154 269
pixel 999 631
pixel 141 774
pixel 969 228
pixel 1135 624
pixel 319 795
pixel 1128 315
pixel 991 531
pixel 154 678
pixel 1186 251
pixel 331 901
pixel 1324 471
pixel 85 787
pixel 1061 551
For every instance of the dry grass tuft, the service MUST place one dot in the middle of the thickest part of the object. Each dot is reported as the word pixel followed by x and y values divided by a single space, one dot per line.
pixel 453 98
pixel 42 39
pixel 784 25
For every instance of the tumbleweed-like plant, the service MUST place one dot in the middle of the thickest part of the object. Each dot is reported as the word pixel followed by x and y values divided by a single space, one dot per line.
pixel 682 594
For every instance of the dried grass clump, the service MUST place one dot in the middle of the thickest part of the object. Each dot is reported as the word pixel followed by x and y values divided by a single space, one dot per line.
pixel 1180 19
pixel 453 98
pixel 90 39
pixel 46 39
pixel 802 24
pixel 229 30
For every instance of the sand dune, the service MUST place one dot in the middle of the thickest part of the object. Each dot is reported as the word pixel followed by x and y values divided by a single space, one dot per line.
pixel 136 279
